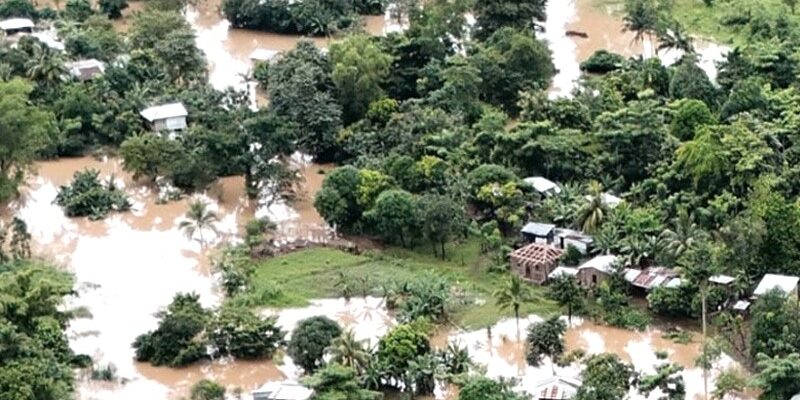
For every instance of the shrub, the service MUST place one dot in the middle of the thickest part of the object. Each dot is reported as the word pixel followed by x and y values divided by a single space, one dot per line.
pixel 572 256
pixel 310 339
pixel 174 342
pixel 602 61
pixel 207 390
pixel 87 196
pixel 311 17
pixel 238 332
pixel 106 372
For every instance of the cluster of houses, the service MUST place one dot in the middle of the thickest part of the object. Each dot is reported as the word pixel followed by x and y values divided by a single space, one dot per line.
pixel 539 260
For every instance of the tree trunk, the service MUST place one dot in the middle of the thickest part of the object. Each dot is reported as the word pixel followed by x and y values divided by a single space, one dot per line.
pixel 443 255
pixel 569 314
pixel 516 316
pixel 703 295
pixel 402 239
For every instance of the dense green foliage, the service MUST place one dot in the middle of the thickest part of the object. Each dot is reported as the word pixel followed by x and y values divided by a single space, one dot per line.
pixel 318 17
pixel 176 340
pixel 309 341
pixel 86 195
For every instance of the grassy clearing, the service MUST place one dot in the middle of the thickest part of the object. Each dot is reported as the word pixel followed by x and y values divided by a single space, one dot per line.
pixel 313 273
pixel 707 22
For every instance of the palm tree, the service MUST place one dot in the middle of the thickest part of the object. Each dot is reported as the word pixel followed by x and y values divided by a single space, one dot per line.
pixel 594 211
pixel 674 37
pixel 198 219
pixel 682 234
pixel 512 295
pixel 641 17
pixel 45 66
pixel 348 351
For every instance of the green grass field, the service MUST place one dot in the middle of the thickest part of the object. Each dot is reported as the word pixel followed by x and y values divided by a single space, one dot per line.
pixel 313 273
pixel 706 22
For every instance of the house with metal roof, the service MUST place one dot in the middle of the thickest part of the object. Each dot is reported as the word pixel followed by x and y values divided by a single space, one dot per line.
pixel 535 261
pixel 286 390
pixel 84 70
pixel 166 117
pixel 596 270
pixel 649 278
pixel 556 388
pixel 544 186
pixel 13 26
pixel 570 237
pixel 785 283
pixel 536 232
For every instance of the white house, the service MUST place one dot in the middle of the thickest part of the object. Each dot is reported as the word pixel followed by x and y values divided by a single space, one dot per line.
pixel 16 25
pixel 787 284
pixel 286 390
pixel 543 185
pixel 265 55
pixel 556 388
pixel 166 117
pixel 84 70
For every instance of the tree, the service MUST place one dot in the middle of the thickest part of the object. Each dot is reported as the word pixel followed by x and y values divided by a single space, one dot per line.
pixel 567 292
pixel 641 17
pixel 545 339
pixel 148 155
pixel 492 15
pixel 683 234
pixel 359 69
pixel 238 332
pixel 775 326
pixel 46 66
pixel 175 342
pixel 337 382
pixel 605 378
pixel 349 352
pixel 690 82
pixel 395 215
pixel 674 37
pixel 310 339
pixel 207 390
pixel 399 347
pixel 442 219
pixel 593 212
pixel 792 4
pixel 337 201
pixel 113 8
pixel 667 380
pixel 78 10
pixel 483 388
pixel 512 295
pixel 690 114
pixel 17 9
pixel 87 196
pixel 778 377
pixel 199 218
pixel 25 128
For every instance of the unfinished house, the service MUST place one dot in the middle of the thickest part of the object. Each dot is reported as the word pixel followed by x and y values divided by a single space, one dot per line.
pixel 535 262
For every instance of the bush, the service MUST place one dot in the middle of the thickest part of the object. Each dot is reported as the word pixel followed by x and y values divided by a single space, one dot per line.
pixel 174 342
pixel 311 17
pixel 17 9
pixel 207 390
pixel 602 61
pixel 87 196
pixel 572 256
pixel 238 332
pixel 310 339
pixel 628 318
pixel 106 372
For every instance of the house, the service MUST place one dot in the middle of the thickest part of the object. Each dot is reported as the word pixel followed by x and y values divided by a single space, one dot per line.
pixel 787 284
pixel 265 55
pixel 16 25
pixel 535 232
pixel 535 261
pixel 556 388
pixel 649 278
pixel 569 237
pixel 562 271
pixel 166 117
pixel 84 70
pixel 596 270
pixel 286 390
pixel 544 186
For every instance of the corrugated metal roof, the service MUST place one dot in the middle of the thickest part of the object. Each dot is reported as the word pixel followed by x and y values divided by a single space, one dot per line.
pixel 164 111
pixel 785 283
pixel 538 229
pixel 16 23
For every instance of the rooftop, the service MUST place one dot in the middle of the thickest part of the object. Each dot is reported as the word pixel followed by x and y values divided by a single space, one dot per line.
pixel 164 111
pixel 556 388
pixel 608 199
pixel 286 390
pixel 600 263
pixel 561 270
pixel 572 234
pixel 538 229
pixel 85 69
pixel 16 23
pixel 649 278
pixel 774 281
pixel 721 279
pixel 537 253
pixel 542 184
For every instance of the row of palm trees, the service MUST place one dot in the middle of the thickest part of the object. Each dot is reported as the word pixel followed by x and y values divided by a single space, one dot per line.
pixel 650 18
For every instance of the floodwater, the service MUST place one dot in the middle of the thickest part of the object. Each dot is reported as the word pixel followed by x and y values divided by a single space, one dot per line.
pixel 130 265
pixel 503 353
pixel 605 30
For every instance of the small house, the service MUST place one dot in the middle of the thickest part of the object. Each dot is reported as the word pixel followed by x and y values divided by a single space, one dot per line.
pixel 84 70
pixel 556 388
pixel 535 262
pixel 544 186
pixel 535 232
pixel 286 390
pixel 14 26
pixel 569 237
pixel 596 270
pixel 265 55
pixel 787 284
pixel 166 117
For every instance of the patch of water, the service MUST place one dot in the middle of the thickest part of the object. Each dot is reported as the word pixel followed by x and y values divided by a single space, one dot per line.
pixel 559 15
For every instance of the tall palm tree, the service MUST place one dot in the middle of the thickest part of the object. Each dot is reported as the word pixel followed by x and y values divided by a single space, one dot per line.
pixel 198 219
pixel 641 18
pixel 674 37
pixel 683 234
pixel 594 211
pixel 348 351
pixel 512 295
